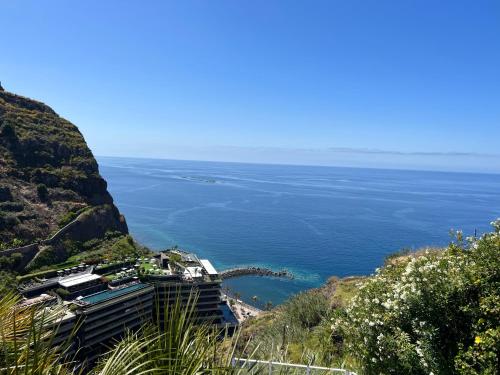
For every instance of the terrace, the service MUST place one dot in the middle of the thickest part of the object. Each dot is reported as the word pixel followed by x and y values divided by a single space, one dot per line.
pixel 71 280
pixel 175 264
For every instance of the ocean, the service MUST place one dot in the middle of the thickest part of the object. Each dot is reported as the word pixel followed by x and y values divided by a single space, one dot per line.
pixel 313 221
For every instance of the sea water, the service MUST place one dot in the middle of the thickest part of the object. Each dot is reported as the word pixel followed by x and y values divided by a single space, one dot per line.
pixel 313 221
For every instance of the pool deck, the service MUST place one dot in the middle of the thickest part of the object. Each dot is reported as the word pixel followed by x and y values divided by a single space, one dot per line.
pixel 106 295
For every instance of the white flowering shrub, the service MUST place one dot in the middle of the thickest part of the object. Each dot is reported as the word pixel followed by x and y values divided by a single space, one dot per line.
pixel 435 313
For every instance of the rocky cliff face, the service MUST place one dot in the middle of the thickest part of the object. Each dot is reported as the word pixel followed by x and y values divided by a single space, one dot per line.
pixel 48 176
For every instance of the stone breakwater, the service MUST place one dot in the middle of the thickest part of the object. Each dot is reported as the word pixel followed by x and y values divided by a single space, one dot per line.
pixel 258 271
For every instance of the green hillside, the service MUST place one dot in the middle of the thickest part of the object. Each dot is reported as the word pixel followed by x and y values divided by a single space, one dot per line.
pixel 53 202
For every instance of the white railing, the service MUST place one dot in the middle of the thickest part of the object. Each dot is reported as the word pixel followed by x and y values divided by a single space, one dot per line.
pixel 259 367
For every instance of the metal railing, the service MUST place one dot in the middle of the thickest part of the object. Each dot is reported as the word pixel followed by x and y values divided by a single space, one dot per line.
pixel 254 366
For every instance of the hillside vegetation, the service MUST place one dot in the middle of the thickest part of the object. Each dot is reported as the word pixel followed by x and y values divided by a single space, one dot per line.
pixel 429 312
pixel 49 185
pixel 46 169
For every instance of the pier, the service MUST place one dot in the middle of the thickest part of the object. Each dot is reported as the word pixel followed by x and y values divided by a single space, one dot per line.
pixel 257 271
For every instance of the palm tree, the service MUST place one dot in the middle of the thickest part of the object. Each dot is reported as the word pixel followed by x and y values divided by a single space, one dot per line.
pixel 179 347
pixel 26 340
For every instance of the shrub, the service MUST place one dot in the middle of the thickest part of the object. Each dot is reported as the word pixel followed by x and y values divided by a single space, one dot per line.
pixel 5 262
pixel 16 242
pixel 306 309
pixel 401 253
pixel 110 234
pixel 63 293
pixel 7 282
pixel 17 258
pixel 437 313
pixel 11 206
pixel 5 194
pixel 45 257
pixel 67 218
pixel 8 220
pixel 175 258
pixel 8 131
pixel 42 191
pixel 297 329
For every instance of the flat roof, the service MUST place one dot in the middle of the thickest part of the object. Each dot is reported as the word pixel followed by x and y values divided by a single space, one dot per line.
pixel 109 294
pixel 39 299
pixel 194 271
pixel 208 267
pixel 79 279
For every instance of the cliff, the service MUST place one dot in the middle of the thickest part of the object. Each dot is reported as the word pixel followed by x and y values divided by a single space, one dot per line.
pixel 49 179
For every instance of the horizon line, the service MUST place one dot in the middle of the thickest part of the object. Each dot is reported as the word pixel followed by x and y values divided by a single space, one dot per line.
pixel 302 165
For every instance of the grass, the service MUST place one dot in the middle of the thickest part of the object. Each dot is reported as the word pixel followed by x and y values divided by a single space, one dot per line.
pixel 71 215
pixel 146 266
pixel 110 249
pixel 345 289
pixel 299 331
pixel 41 274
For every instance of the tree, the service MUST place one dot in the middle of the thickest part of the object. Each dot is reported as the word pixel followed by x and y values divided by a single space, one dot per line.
pixel 175 258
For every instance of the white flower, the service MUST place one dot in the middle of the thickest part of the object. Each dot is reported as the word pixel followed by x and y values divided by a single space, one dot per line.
pixel 419 352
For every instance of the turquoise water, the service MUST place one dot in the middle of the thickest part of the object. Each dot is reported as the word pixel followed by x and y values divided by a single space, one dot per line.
pixel 108 294
pixel 314 221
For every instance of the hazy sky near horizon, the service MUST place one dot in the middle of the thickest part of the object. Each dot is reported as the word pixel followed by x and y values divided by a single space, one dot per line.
pixel 403 84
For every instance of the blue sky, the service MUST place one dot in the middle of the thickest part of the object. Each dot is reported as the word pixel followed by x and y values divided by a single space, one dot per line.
pixel 404 84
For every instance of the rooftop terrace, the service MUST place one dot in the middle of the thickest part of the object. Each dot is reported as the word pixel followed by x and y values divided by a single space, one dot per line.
pixel 176 263
pixel 68 282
